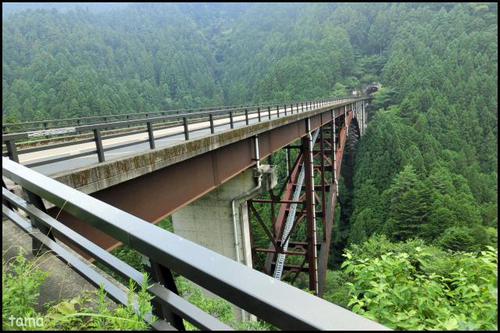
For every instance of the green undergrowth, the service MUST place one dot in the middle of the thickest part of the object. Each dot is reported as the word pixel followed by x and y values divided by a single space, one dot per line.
pixel 413 286
pixel 21 283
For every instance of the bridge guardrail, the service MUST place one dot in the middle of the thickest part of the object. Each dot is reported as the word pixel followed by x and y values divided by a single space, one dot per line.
pixel 56 123
pixel 271 300
pixel 260 112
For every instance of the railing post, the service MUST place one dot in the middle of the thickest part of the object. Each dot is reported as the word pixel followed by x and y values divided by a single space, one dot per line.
pixel 12 150
pixel 302 103
pixel 211 118
pixel 291 108
pixel 285 109
pixel 151 135
pixel 231 123
pixel 163 276
pixel 37 247
pixel 186 130
pixel 246 116
pixel 269 111
pixel 277 111
pixel 98 144
pixel 258 113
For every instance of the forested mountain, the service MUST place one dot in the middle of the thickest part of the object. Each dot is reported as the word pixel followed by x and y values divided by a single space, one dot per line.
pixel 429 161
pixel 151 57
pixel 426 167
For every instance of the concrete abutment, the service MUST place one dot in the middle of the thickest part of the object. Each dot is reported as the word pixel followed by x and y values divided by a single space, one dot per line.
pixel 219 220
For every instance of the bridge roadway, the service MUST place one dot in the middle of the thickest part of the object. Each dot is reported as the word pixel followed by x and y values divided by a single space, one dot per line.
pixel 173 135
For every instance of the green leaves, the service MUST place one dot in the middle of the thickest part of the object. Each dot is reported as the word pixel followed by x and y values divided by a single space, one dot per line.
pixel 402 287
pixel 21 281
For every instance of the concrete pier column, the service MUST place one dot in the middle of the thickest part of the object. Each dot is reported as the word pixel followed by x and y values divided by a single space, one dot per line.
pixel 211 221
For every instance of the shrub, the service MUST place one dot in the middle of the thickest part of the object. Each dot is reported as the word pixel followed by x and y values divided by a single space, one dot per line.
pixel 458 239
pixel 423 287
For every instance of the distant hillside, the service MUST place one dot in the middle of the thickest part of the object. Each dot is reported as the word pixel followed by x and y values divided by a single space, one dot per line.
pixel 9 8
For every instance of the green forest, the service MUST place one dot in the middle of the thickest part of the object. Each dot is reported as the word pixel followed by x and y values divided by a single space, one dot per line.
pixel 415 239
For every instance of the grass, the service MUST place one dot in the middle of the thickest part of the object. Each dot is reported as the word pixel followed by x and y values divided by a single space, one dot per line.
pixel 21 283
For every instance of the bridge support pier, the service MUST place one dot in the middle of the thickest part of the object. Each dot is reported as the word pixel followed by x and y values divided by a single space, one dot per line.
pixel 219 220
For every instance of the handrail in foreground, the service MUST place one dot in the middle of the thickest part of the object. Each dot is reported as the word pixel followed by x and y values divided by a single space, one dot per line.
pixel 269 299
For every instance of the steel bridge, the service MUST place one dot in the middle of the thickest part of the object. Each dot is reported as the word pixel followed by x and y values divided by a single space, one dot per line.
pixel 91 184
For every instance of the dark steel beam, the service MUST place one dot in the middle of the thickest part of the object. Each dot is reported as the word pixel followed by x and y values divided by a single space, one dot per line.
pixel 98 145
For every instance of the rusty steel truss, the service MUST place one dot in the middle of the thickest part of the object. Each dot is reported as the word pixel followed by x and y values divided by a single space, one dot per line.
pixel 306 201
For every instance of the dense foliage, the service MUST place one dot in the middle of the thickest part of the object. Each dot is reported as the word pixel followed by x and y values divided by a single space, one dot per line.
pixel 414 286
pixel 150 57
pixel 21 283
pixel 427 165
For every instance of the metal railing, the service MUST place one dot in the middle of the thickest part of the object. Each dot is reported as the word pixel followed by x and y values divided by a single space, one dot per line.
pixel 225 117
pixel 78 121
pixel 273 301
